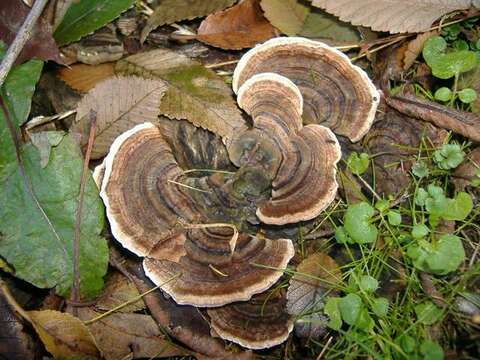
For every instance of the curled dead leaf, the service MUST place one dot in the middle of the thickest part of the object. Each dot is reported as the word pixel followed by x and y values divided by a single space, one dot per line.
pixel 82 77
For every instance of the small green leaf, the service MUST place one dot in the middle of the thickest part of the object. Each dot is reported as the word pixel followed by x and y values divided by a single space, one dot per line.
pixel 420 231
pixel 458 208
pixel 350 307
pixel 357 224
pixel 86 16
pixel 420 169
pixel 443 94
pixel 407 343
pixel 394 217
pixel 427 313
pixel 341 236
pixel 467 96
pixel 358 164
pixel 368 283
pixel 449 156
pixel 421 197
pixel 365 321
pixel 382 205
pixel 380 306
pixel 431 350
pixel 447 255
pixel 332 310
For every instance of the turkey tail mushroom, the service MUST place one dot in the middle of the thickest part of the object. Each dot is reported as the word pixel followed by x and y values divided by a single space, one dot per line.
pixel 336 93
pixel 300 160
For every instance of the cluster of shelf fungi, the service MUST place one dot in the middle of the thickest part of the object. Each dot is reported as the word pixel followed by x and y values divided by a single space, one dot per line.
pixel 197 234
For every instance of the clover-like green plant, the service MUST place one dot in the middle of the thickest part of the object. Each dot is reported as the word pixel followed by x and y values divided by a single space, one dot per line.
pixel 449 156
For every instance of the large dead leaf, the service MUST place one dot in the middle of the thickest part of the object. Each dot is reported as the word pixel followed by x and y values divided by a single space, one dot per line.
pixel 286 15
pixel 314 279
pixel 195 93
pixel 120 104
pixel 121 336
pixel 169 11
pixel 118 290
pixel 40 45
pixel 64 336
pixel 392 15
pixel 240 26
pixel 82 77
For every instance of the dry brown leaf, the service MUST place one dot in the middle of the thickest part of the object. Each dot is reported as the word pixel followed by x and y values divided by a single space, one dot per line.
pixel 118 290
pixel 240 26
pixel 414 49
pixel 195 93
pixel 314 278
pixel 82 77
pixel 394 16
pixel 169 11
pixel 287 15
pixel 64 336
pixel 120 104
pixel 120 335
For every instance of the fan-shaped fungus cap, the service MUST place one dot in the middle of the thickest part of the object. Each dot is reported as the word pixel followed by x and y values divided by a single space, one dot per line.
pixel 301 159
pixel 336 93
pixel 196 266
pixel 258 324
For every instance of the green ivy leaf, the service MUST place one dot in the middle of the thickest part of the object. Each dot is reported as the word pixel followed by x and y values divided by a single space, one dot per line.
pixel 443 94
pixel 358 164
pixel 420 169
pixel 332 310
pixel 86 16
pixel 357 224
pixel 427 313
pixel 467 95
pixel 449 156
pixel 394 217
pixel 380 306
pixel 350 307
pixel 368 283
pixel 431 350
pixel 448 253
pixel 420 231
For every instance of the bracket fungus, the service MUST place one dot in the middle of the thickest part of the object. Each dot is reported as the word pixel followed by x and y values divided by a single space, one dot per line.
pixel 300 160
pixel 336 93
pixel 195 232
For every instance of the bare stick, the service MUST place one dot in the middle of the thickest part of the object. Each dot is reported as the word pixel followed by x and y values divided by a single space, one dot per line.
pixel 78 216
pixel 21 39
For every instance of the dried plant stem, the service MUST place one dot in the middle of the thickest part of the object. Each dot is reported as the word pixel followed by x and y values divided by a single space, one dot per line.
pixel 21 39
pixel 225 63
pixel 324 350
pixel 75 297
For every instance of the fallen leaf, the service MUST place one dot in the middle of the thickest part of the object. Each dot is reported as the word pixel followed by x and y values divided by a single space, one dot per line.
pixel 82 78
pixel 195 93
pixel 86 16
pixel 314 279
pixel 44 141
pixel 394 16
pixel 40 45
pixel 64 336
pixel 323 26
pixel 38 231
pixel 16 343
pixel 120 335
pixel 118 290
pixel 415 48
pixel 286 15
pixel 120 103
pixel 169 11
pixel 240 26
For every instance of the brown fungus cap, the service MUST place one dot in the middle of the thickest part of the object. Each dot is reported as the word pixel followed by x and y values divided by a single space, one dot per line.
pixel 151 215
pixel 301 160
pixel 336 93
pixel 259 323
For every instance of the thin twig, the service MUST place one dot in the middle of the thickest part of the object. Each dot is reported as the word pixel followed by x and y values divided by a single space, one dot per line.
pixel 26 180
pixel 21 39
pixel 225 63
pixel 325 348
pixel 78 216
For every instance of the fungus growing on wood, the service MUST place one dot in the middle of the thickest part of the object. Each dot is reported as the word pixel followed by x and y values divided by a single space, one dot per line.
pixel 336 93
pixel 197 265
pixel 300 160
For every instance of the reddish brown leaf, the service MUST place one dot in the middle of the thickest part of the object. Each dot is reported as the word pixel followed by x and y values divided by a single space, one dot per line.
pixel 41 44
pixel 240 26
pixel 82 78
